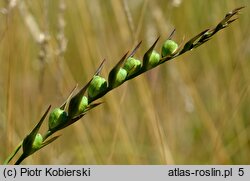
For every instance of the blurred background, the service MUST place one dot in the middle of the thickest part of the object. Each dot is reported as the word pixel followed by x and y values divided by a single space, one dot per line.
pixel 194 109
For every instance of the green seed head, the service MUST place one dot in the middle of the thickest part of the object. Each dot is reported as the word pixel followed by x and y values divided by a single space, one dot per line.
pixel 132 65
pixel 77 106
pixel 168 48
pixel 37 142
pixel 83 105
pixel 154 59
pixel 120 77
pixel 57 117
pixel 97 86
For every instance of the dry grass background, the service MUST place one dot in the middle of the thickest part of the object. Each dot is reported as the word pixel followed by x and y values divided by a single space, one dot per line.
pixel 193 110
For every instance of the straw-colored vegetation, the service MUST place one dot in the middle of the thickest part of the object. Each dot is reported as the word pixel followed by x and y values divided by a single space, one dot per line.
pixel 191 110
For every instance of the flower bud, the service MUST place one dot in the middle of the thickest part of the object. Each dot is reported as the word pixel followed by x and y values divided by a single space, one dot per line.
pixel 132 65
pixel 120 77
pixel 153 59
pixel 37 142
pixel 168 48
pixel 57 117
pixel 97 86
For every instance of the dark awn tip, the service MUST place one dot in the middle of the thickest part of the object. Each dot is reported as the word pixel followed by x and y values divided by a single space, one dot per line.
pixel 233 12
pixel 64 105
pixel 135 49
pixel 119 64
pixel 100 67
pixel 171 34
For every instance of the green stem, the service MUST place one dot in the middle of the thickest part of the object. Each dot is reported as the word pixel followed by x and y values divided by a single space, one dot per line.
pixel 191 44
pixel 12 155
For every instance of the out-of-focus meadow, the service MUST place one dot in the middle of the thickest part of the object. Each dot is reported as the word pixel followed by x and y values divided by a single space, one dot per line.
pixel 192 110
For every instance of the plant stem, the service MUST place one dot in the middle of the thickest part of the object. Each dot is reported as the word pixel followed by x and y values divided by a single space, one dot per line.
pixel 13 154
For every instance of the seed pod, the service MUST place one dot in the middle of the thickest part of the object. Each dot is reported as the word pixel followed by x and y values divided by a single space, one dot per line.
pixel 97 86
pixel 168 48
pixel 120 77
pixel 57 117
pixel 37 142
pixel 153 59
pixel 83 105
pixel 77 106
pixel 132 65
